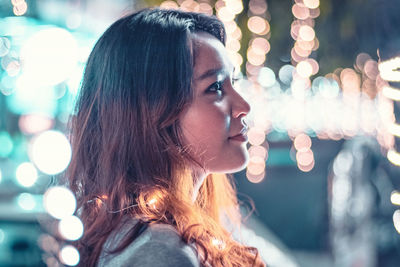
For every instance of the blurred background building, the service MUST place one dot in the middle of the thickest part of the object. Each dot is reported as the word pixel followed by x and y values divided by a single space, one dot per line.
pixel 322 76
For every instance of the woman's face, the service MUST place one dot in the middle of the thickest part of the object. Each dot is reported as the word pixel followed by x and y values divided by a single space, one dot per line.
pixel 212 126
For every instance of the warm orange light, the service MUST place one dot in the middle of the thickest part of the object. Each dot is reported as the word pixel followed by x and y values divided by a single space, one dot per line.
pixel 205 8
pixel 302 142
pixel 236 58
pixel 304 69
pixel 258 7
pixel 257 25
pixel 311 3
pixel 169 5
pixel 255 178
pixel 235 6
pixel 190 5
pixel 225 14
pixel 306 33
pixel 296 57
pixel 261 44
pixel 35 123
pixel 306 168
pixel 300 11
pixel 300 51
pixel 371 69
pixel 258 151
pixel 314 13
pixel 233 45
pixel 254 58
pixel 314 64
pixel 255 169
pixel 350 80
pixel 361 59
pixel 20 8
pixel 256 136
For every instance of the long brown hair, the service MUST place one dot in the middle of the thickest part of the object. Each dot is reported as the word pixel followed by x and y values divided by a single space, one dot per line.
pixel 126 140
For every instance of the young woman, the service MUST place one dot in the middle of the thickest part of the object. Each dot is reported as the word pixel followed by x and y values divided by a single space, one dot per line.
pixel 157 124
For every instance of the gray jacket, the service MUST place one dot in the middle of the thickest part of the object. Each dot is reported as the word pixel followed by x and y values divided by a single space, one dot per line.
pixel 159 245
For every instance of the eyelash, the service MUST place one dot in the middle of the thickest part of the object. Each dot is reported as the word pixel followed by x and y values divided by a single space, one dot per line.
pixel 217 86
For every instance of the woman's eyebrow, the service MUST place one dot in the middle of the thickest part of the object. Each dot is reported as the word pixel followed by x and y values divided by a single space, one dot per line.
pixel 209 73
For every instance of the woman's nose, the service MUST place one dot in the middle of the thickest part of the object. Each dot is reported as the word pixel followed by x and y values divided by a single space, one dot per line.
pixel 240 107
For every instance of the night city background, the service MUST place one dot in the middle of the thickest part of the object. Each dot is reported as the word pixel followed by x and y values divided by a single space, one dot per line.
pixel 323 80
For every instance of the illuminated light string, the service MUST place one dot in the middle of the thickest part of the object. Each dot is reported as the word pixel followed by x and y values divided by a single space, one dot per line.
pixel 391 93
pixel 393 156
pixel 396 220
pixel 390 69
pixel 259 77
pixel 395 198
pixel 394 129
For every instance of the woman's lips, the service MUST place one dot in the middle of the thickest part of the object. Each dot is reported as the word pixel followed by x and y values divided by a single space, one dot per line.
pixel 240 137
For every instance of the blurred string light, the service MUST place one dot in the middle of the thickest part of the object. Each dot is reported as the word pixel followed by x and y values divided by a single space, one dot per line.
pixel 303 33
pixel 50 151
pixel 261 78
pixel 19 7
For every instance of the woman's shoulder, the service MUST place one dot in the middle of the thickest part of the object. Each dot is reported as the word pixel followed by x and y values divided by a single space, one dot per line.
pixel 158 245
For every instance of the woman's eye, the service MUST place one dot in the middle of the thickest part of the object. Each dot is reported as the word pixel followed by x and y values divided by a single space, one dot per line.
pixel 234 80
pixel 215 87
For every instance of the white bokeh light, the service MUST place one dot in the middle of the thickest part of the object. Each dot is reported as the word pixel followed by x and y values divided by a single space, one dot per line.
pixel 26 201
pixel 51 152
pixel 69 255
pixel 70 228
pixel 26 174
pixel 59 202
pixel 49 56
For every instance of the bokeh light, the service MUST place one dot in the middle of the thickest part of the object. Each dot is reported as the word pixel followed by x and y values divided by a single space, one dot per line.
pixel 394 157
pixel 300 11
pixel 258 25
pixel 306 33
pixel 51 152
pixel 311 3
pixel 395 198
pixel 35 123
pixel 302 142
pixel 59 202
pixel 69 255
pixel 49 56
pixel 266 77
pixel 70 228
pixel 389 69
pixel 304 69
pixel 256 136
pixel 26 174
pixel 26 201
pixel 396 220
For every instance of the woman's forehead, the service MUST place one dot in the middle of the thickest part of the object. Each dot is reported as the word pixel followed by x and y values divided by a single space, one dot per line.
pixel 210 54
